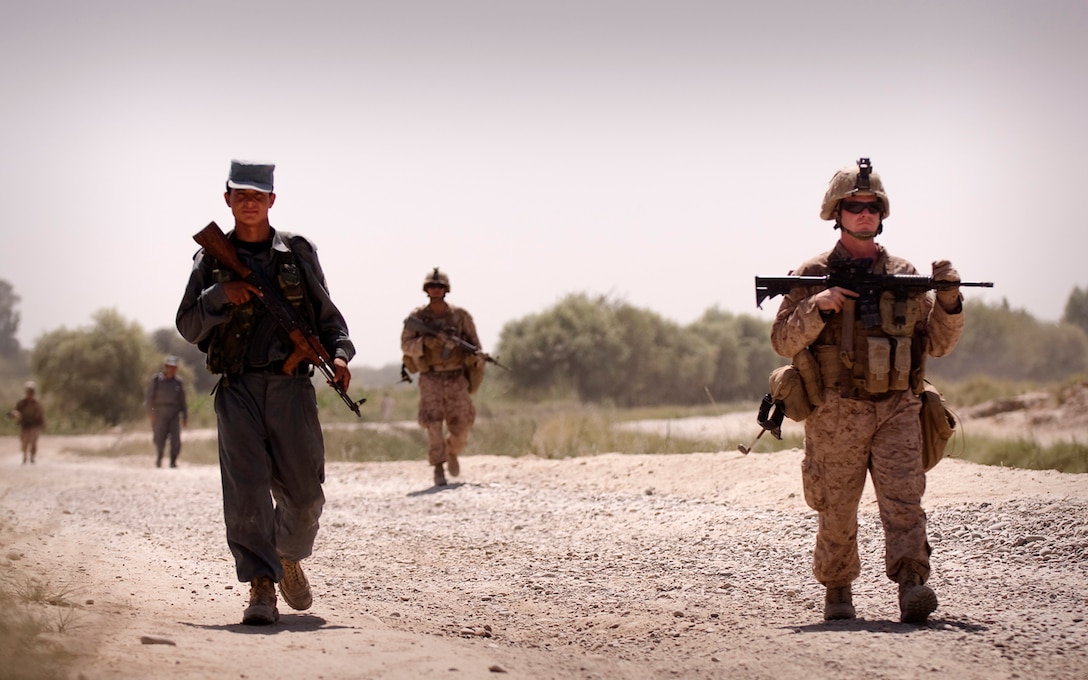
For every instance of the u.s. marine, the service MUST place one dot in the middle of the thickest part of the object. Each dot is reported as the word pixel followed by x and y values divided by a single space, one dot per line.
pixel 448 373
pixel 871 359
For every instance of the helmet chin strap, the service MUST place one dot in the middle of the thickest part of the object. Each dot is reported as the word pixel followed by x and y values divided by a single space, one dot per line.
pixel 862 237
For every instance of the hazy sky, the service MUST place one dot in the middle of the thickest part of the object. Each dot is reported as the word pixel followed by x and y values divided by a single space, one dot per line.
pixel 663 153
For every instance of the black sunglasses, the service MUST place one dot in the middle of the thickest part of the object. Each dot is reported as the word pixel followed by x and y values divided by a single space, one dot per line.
pixel 858 207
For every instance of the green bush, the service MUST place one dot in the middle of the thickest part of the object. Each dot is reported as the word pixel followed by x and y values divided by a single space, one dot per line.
pixel 1028 454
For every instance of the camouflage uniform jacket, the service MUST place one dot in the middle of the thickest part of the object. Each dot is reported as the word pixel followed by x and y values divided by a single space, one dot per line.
pixel 800 325
pixel 429 353
pixel 30 413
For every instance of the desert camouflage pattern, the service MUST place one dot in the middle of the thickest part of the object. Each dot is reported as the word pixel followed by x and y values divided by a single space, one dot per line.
pixel 429 353
pixel 850 435
pixel 844 439
pixel 844 184
pixel 444 387
pixel 445 397
pixel 436 276
pixel 799 325
pixel 31 417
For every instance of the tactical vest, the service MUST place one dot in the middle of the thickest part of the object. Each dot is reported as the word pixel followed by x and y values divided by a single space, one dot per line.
pixel 447 357
pixel 228 344
pixel 874 348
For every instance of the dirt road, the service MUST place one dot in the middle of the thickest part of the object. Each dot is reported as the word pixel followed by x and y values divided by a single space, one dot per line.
pixel 614 566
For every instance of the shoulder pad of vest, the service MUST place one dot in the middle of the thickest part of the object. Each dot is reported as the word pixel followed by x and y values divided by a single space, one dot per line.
pixel 297 241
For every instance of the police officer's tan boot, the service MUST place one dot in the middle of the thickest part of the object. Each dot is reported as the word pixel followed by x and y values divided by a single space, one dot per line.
pixel 439 476
pixel 839 603
pixel 262 603
pixel 453 465
pixel 916 600
pixel 294 587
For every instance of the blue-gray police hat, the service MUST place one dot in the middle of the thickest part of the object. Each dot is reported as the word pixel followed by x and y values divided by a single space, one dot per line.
pixel 246 175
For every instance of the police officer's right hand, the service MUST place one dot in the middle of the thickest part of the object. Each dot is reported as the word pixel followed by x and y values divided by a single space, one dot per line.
pixel 832 299
pixel 240 292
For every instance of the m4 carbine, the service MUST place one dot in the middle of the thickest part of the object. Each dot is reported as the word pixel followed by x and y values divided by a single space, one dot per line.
pixel 857 278
pixel 308 346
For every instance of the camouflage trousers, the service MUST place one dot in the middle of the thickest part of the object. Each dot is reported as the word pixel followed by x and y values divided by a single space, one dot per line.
pixel 28 440
pixel 844 439
pixel 444 397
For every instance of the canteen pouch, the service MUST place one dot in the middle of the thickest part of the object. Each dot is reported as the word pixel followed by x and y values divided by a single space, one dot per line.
pixel 786 387
pixel 938 426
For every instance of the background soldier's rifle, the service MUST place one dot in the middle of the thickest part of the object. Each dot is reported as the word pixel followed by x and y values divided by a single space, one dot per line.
pixel 420 326
pixel 307 345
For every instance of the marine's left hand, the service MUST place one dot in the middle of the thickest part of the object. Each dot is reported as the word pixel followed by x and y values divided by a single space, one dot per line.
pixel 948 297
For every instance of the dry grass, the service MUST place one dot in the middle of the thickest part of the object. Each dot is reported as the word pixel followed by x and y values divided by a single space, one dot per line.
pixel 35 612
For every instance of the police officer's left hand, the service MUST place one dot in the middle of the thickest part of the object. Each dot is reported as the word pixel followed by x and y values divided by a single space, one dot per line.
pixel 341 374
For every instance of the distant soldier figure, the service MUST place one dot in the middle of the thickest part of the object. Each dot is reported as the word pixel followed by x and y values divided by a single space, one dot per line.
pixel 448 374
pixel 166 407
pixel 867 420
pixel 31 418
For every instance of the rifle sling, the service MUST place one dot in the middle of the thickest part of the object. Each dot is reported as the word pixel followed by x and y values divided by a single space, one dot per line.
pixel 846 344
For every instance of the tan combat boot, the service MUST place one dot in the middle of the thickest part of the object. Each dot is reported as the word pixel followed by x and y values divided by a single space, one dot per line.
pixel 453 465
pixel 262 603
pixel 839 603
pixel 439 476
pixel 294 587
pixel 916 600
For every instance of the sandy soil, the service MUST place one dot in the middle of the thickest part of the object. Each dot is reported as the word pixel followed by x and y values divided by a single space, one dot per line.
pixel 613 566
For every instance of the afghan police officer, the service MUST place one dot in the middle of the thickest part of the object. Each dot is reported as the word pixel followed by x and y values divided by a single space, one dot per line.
pixel 870 356
pixel 448 373
pixel 271 449
pixel 168 410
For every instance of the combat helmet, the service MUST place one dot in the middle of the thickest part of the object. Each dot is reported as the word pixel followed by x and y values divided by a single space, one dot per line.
pixel 850 181
pixel 436 276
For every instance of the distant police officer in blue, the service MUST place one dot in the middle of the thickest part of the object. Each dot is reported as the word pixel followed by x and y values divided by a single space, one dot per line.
pixel 271 451
pixel 166 407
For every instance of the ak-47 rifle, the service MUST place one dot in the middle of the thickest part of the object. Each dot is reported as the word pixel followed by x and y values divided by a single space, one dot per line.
pixel 420 326
pixel 855 276
pixel 308 346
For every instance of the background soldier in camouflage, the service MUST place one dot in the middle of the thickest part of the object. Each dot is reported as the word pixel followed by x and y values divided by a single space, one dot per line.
pixel 168 410
pixel 447 374
pixel 869 416
pixel 31 418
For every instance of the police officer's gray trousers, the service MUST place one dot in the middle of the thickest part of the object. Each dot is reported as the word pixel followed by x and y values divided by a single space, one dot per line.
pixel 167 426
pixel 270 449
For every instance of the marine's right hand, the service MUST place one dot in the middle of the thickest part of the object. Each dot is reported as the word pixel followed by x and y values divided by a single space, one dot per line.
pixel 832 299
pixel 240 292
pixel 434 342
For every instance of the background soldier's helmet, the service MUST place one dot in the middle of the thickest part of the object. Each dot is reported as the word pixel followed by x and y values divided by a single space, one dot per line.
pixel 850 181
pixel 436 276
